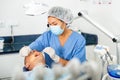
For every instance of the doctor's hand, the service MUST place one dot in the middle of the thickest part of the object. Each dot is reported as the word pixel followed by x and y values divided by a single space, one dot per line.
pixel 33 59
pixel 51 52
pixel 24 51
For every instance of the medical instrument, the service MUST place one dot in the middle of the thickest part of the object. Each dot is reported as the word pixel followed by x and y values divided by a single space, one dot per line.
pixel 112 69
pixel 103 50
pixel 113 72
pixel 115 39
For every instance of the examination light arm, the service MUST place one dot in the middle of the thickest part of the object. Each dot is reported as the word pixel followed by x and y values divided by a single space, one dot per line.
pixel 110 35
pixel 106 32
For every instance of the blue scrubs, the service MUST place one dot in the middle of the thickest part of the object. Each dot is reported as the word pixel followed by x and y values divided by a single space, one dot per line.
pixel 74 47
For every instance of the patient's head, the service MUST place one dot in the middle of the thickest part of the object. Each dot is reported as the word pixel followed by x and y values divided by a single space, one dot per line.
pixel 33 59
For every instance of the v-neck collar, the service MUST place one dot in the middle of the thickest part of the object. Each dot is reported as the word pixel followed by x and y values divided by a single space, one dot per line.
pixel 66 42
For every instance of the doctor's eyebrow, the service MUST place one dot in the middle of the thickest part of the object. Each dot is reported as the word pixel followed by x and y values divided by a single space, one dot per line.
pixel 54 22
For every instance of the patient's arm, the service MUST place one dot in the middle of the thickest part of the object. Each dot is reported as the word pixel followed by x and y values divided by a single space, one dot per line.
pixel 33 59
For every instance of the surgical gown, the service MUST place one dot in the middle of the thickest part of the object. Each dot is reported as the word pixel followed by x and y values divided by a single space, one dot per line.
pixel 74 47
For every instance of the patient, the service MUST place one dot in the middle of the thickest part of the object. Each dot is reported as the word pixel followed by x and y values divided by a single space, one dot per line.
pixel 33 59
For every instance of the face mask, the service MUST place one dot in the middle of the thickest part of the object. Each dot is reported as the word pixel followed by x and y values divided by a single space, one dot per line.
pixel 56 30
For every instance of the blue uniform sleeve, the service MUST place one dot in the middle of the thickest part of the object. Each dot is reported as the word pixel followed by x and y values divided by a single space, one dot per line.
pixel 41 42
pixel 37 44
pixel 80 51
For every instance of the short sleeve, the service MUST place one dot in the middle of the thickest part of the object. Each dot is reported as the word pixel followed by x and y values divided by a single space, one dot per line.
pixel 41 42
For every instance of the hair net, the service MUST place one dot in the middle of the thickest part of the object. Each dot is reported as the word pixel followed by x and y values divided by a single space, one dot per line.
pixel 62 14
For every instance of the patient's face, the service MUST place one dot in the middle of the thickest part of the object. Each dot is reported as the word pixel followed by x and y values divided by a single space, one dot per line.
pixel 33 59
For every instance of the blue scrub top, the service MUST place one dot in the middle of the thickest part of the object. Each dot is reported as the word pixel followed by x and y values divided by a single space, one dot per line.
pixel 74 47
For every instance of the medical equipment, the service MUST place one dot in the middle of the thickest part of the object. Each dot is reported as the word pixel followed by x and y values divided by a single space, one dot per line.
pixel 56 30
pixel 35 8
pixel 114 71
pixel 115 39
pixel 103 51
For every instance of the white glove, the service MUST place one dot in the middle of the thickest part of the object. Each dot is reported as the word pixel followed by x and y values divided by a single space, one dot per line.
pixel 51 52
pixel 24 51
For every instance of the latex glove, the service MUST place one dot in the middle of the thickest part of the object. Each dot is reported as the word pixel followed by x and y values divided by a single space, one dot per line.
pixel 24 51
pixel 51 52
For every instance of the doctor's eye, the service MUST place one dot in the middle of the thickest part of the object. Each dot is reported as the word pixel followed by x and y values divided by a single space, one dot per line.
pixel 55 24
pixel 48 25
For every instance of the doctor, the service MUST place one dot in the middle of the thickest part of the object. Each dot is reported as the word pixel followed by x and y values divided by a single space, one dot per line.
pixel 60 44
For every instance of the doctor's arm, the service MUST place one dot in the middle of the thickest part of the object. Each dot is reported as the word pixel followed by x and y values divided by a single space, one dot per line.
pixel 80 54
pixel 63 61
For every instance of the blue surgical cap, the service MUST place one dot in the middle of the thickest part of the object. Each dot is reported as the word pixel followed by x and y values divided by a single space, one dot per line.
pixel 62 14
